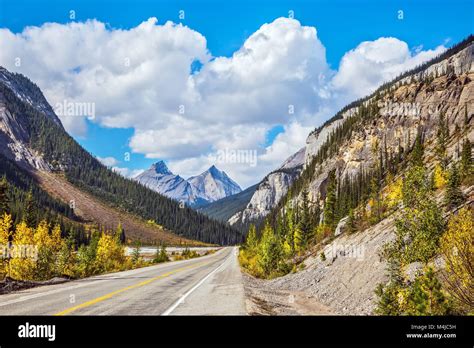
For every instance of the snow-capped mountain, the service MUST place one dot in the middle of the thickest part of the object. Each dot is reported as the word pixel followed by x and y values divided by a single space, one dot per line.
pixel 160 179
pixel 214 184
pixel 209 186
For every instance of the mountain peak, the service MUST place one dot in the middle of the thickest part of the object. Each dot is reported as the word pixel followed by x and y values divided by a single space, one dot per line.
pixel 215 184
pixel 214 170
pixel 160 167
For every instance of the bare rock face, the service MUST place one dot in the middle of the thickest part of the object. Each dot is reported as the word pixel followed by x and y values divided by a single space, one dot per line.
pixel 343 274
pixel 272 188
pixel 319 136
pixel 268 194
pixel 411 104
pixel 13 140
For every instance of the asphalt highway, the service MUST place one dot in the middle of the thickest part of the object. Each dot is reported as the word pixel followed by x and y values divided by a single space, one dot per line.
pixel 208 285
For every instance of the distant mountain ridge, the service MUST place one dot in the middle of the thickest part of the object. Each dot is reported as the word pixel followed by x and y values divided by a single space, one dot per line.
pixel 225 208
pixel 38 155
pixel 209 186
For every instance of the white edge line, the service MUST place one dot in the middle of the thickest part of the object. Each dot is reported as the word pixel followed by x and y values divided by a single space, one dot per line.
pixel 182 298
pixel 100 277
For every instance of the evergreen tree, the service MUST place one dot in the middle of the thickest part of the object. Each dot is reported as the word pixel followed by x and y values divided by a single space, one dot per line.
pixel 351 222
pixel 4 199
pixel 442 140
pixel 454 196
pixel 305 226
pixel 418 151
pixel 425 296
pixel 376 201
pixel 30 210
pixel 421 222
pixel 466 159
pixel 388 299
pixel 269 253
pixel 330 203
pixel 136 252
pixel 251 241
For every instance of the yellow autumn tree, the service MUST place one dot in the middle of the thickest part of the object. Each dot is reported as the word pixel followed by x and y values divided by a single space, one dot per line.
pixel 23 261
pixel 56 241
pixel 457 247
pixel 46 253
pixel 394 193
pixel 5 233
pixel 110 254
pixel 41 235
pixel 298 240
pixel 439 177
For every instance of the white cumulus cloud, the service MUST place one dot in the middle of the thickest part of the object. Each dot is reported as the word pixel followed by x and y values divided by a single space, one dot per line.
pixel 372 63
pixel 141 78
pixel 108 161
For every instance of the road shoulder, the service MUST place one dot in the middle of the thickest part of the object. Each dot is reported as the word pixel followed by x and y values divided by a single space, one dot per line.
pixel 264 299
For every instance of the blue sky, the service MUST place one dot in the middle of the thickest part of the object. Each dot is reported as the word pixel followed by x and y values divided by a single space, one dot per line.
pixel 341 26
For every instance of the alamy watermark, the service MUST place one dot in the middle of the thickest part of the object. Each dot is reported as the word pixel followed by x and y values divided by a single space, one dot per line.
pixel 81 109
pixel 345 250
pixel 18 251
pixel 390 108
pixel 238 156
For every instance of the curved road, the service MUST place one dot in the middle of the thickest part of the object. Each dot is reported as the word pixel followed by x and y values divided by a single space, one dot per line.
pixel 208 285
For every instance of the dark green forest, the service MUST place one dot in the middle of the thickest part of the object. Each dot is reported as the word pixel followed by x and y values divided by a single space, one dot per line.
pixel 86 172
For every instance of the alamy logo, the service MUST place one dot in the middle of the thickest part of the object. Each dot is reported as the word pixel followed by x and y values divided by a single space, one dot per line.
pixel 37 331
pixel 68 108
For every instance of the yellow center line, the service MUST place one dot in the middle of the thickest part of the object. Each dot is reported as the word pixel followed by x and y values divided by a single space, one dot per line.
pixel 116 292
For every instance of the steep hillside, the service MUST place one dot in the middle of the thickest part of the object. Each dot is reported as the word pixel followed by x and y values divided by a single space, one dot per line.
pixel 92 211
pixel 383 127
pixel 270 191
pixel 32 136
pixel 386 194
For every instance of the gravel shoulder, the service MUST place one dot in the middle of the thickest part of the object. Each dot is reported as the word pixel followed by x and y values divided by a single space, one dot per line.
pixel 264 299
pixel 341 284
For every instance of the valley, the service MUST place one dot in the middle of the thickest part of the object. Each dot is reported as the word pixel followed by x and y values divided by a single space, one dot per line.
pixel 359 221
pixel 92 210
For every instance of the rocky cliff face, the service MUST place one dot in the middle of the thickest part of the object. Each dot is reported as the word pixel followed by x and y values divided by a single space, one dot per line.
pixel 14 135
pixel 270 190
pixel 343 281
pixel 28 92
pixel 412 104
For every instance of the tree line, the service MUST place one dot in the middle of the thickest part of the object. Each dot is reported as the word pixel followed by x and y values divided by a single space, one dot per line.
pixel 294 229
pixel 86 172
